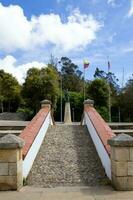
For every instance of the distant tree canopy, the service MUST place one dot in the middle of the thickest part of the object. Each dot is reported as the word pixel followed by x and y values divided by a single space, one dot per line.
pixel 45 83
pixel 40 84
pixel 125 102
pixel 9 92
pixel 71 76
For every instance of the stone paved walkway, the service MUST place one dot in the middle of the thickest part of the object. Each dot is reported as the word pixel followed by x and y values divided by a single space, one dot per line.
pixel 67 193
pixel 67 157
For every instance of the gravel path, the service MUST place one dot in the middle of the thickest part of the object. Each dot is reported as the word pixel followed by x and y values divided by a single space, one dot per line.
pixel 67 157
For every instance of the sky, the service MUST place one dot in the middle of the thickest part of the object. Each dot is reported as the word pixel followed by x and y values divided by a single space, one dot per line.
pixel 97 30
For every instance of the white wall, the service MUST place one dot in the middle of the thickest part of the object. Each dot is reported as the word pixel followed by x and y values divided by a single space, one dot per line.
pixel 104 157
pixel 31 155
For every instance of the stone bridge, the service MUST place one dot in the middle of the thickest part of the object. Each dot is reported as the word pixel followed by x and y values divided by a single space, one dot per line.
pixel 48 154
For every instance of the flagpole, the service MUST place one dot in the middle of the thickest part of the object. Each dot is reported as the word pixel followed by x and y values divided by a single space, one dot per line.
pixel 109 102
pixel 86 64
pixel 61 91
pixel 109 93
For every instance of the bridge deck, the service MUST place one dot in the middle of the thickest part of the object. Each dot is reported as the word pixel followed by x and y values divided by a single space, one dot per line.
pixel 67 157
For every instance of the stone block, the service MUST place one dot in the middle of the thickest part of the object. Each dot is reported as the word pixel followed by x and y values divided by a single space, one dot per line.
pixel 15 168
pixel 130 183
pixel 9 155
pixel 131 153
pixel 120 153
pixel 3 169
pixel 19 166
pixel 12 169
pixel 119 168
pixel 8 183
pixel 130 168
pixel 19 180
pixel 113 167
pixel 119 183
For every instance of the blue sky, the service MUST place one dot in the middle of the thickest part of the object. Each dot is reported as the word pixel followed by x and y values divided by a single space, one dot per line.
pixel 97 30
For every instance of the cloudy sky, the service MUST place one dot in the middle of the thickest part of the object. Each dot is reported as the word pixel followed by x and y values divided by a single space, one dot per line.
pixel 97 30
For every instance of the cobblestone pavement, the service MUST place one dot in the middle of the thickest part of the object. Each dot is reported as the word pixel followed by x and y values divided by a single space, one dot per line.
pixel 67 157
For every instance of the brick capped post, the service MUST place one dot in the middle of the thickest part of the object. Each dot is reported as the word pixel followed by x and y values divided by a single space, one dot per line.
pixel 122 161
pixel 11 177
pixel 46 103
pixel 88 103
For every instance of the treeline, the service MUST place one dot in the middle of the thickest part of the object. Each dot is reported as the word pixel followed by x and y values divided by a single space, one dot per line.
pixel 46 83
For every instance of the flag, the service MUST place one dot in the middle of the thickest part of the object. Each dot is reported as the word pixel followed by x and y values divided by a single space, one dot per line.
pixel 108 66
pixel 86 64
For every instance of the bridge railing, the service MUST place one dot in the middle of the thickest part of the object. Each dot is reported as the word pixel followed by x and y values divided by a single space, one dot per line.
pixel 17 154
pixel 100 133
pixel 34 134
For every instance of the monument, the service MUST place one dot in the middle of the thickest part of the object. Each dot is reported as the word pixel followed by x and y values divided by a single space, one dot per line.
pixel 67 116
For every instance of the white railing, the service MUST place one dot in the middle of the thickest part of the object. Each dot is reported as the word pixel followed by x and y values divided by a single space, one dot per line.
pixel 102 152
pixel 32 153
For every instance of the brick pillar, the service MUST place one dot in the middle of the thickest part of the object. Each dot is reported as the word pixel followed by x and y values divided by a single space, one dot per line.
pixel 46 103
pixel 88 103
pixel 122 161
pixel 11 162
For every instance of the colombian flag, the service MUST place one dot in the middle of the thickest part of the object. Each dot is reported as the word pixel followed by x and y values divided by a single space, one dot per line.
pixel 86 64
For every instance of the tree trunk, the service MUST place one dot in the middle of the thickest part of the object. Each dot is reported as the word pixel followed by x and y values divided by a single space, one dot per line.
pixel 2 107
pixel 9 106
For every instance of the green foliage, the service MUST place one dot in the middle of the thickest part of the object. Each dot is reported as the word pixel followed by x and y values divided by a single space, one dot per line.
pixel 28 114
pixel 98 91
pixel 40 84
pixel 9 92
pixel 76 102
pixel 71 76
pixel 103 111
pixel 125 101
pixel 45 83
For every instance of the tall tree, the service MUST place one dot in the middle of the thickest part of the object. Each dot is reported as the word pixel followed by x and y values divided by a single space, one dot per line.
pixel 9 91
pixel 71 75
pixel 40 84
pixel 98 91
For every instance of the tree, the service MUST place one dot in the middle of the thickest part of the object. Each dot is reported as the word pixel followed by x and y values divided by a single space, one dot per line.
pixel 9 92
pixel 100 73
pixel 125 101
pixel 98 91
pixel 71 76
pixel 40 84
pixel 113 88
pixel 76 102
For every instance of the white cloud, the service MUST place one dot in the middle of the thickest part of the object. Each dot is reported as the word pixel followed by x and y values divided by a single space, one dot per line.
pixel 127 50
pixel 111 2
pixel 14 28
pixel 60 1
pixel 17 32
pixel 130 12
pixel 111 37
pixel 9 64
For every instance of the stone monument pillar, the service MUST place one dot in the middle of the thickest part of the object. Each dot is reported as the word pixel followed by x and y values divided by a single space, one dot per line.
pixel 67 116
pixel 11 174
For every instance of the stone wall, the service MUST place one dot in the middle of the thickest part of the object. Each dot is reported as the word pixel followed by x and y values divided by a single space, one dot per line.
pixel 11 177
pixel 122 162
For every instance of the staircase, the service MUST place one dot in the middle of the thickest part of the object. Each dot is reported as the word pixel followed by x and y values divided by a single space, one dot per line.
pixel 67 157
